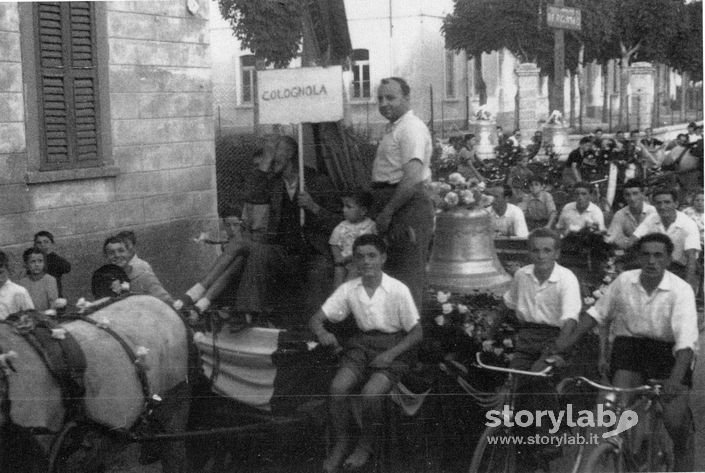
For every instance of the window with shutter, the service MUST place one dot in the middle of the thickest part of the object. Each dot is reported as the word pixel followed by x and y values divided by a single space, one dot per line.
pixel 67 85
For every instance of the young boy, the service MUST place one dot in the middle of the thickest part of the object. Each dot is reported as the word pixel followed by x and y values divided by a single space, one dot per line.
pixel 538 206
pixel 356 205
pixel 40 285
pixel 56 266
pixel 12 296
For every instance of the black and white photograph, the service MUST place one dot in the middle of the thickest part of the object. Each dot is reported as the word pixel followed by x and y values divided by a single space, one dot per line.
pixel 352 236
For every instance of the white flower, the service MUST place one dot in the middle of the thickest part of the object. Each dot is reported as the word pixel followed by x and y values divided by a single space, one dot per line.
pixel 469 328
pixel 60 303
pixel 50 312
pixel 442 297
pixel 435 187
pixel 142 351
pixel 125 286
pixel 447 308
pixel 456 179
pixel 440 320
pixel 451 198
pixel 481 186
pixel 597 293
pixel 199 337
pixel 498 351
pixel 58 333
pixel 507 342
pixel 574 228
pixel 607 279
pixel 201 238
pixel 467 197
pixel 588 300
pixel 103 323
pixel 445 187
pixel 463 309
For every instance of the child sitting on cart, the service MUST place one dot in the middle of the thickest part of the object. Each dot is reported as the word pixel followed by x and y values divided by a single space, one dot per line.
pixel 374 358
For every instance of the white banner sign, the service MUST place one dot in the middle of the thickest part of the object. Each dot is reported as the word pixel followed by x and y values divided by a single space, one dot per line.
pixel 309 94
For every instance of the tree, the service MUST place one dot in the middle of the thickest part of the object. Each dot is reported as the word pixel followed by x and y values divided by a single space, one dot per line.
pixel 271 29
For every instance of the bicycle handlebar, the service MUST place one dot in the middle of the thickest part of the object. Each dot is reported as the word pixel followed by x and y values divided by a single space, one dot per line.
pixel 655 386
pixel 546 372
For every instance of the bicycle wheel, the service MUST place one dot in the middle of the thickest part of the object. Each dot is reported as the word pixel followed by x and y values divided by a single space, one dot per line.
pixel 493 457
pixel 606 458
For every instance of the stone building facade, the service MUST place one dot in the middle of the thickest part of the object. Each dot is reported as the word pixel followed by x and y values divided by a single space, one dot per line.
pixel 106 123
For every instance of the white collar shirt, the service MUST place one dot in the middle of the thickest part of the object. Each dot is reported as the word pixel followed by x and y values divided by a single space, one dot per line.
pixel 683 232
pixel 391 308
pixel 553 302
pixel 668 314
pixel 571 220
pixel 624 223
pixel 15 298
pixel 406 139
pixel 511 224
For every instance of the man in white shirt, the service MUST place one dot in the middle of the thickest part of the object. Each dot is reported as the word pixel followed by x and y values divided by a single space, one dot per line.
pixel 580 214
pixel 652 315
pixel 680 228
pixel 12 296
pixel 404 212
pixel 628 218
pixel 507 219
pixel 373 359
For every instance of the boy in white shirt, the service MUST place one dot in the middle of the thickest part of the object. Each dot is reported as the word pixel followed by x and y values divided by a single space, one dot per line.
pixel 13 296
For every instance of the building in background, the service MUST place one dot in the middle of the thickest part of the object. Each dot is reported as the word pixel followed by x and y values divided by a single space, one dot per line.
pixel 106 124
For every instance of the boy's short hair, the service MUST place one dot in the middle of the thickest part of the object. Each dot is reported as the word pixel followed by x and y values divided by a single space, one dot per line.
pixel 31 251
pixel 4 260
pixel 44 233
pixel 582 185
pixel 665 190
pixel 363 198
pixel 370 239
pixel 597 130
pixel 403 84
pixel 537 179
pixel 111 240
pixel 102 280
pixel 543 232
pixel 657 238
pixel 632 183
pixel 585 139
pixel 128 236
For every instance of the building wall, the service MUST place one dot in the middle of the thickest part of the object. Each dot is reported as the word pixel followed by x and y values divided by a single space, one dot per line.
pixel 161 130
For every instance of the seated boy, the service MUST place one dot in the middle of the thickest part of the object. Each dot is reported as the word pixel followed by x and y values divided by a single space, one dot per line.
pixel 538 205
pixel 373 359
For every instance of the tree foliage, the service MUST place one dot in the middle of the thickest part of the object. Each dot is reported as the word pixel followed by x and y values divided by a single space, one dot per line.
pixel 685 52
pixel 272 29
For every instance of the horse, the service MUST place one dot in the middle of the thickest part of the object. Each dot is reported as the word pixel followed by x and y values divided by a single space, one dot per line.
pixel 136 370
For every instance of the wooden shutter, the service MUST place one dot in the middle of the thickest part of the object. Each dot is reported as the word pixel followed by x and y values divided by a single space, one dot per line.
pixel 68 85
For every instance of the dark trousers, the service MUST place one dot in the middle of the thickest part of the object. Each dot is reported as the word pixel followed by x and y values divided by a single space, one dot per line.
pixel 409 239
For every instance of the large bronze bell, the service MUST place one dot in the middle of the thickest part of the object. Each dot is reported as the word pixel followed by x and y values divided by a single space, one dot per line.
pixel 463 258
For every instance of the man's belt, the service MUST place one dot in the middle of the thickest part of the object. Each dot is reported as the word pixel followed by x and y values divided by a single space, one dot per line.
pixel 383 185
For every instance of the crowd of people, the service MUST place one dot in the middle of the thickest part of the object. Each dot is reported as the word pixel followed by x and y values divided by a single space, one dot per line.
pixel 299 256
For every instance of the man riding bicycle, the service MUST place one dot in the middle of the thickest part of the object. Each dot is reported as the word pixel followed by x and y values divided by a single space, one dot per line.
pixel 651 314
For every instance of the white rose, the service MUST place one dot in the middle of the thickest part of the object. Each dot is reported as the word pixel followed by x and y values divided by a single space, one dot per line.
pixel 447 308
pixel 440 320
pixel 463 309
pixel 467 197
pixel 60 303
pixel 451 198
pixel 456 179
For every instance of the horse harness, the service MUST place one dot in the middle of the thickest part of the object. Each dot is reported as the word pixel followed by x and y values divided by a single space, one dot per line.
pixel 63 356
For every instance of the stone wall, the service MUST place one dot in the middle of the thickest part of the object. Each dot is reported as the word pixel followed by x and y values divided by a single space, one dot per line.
pixel 161 130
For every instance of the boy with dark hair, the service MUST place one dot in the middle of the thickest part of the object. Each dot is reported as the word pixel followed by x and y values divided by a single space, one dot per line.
pixel 56 266
pixel 356 208
pixel 538 205
pixel 40 285
pixel 135 262
pixel 373 359
pixel 12 296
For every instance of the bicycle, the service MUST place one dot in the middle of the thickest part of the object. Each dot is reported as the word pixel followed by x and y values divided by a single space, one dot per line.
pixel 490 454
pixel 644 448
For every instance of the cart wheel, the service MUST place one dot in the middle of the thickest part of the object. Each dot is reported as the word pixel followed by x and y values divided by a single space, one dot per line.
pixel 493 458
pixel 606 458
pixel 78 448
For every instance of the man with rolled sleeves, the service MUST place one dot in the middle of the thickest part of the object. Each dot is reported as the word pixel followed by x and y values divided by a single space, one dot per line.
pixel 404 212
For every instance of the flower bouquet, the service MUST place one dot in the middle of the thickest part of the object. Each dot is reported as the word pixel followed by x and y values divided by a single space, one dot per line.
pixel 456 191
